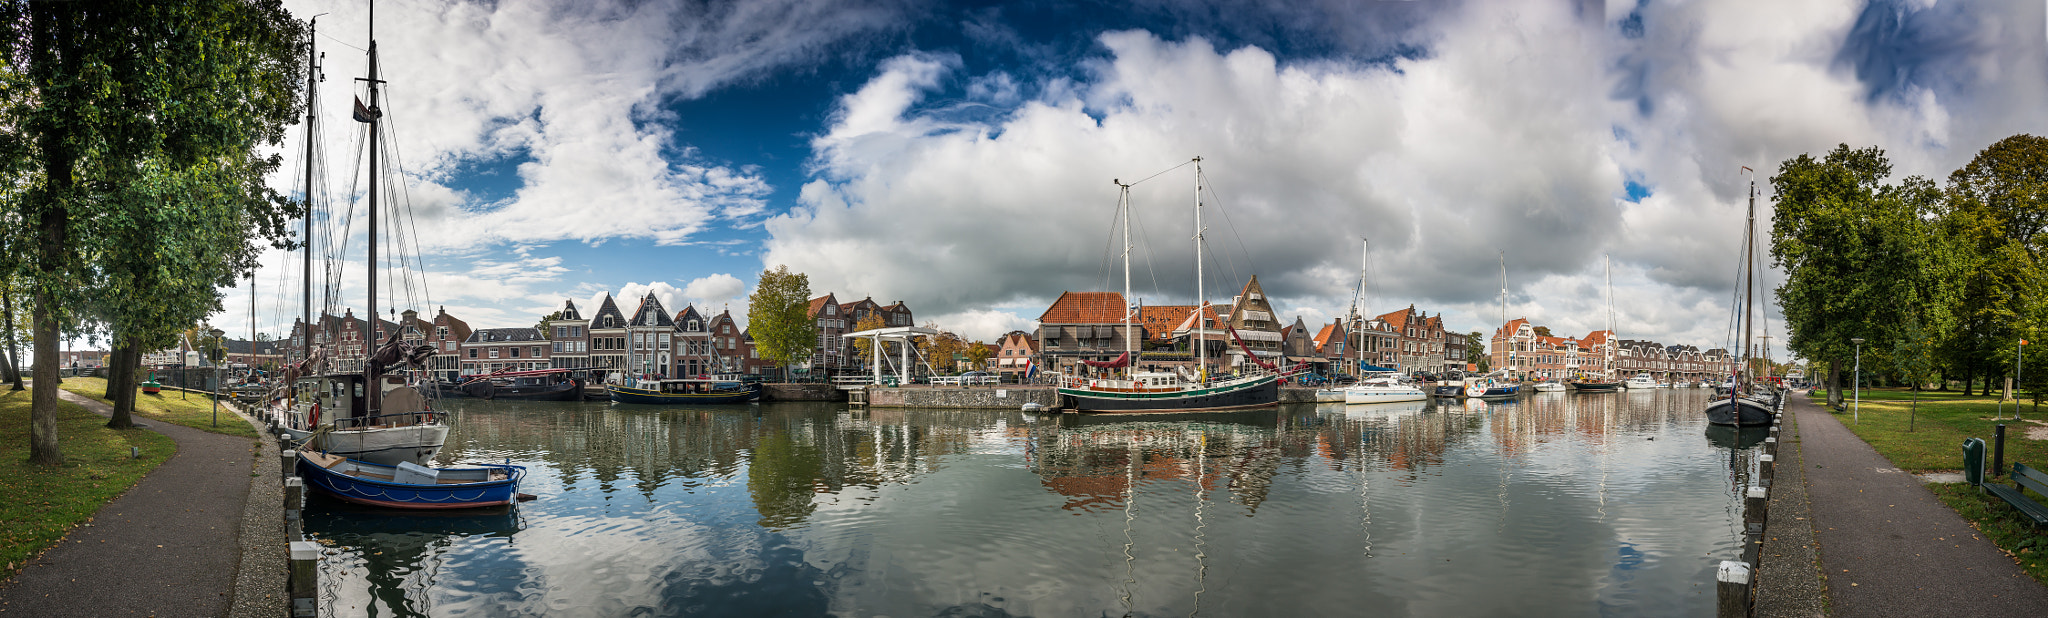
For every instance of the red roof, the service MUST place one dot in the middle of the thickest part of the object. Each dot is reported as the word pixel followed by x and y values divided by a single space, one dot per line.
pixel 1324 336
pixel 1160 320
pixel 1085 308
pixel 818 303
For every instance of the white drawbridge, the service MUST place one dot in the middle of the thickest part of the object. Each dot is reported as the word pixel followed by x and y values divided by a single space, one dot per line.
pixel 903 336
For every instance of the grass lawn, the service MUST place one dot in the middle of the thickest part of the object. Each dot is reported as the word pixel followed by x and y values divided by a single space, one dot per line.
pixel 44 504
pixel 1934 441
pixel 193 410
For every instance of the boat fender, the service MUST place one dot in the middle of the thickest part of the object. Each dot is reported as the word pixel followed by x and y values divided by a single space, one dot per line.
pixel 523 497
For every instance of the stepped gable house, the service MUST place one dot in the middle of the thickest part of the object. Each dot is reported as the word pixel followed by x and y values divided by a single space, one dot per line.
pixel 608 336
pixel 1418 339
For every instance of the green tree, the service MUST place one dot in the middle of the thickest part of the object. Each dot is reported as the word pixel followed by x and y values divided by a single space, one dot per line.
pixel 1998 206
pixel 978 354
pixel 1858 254
pixel 109 104
pixel 1475 350
pixel 779 316
pixel 1542 331
pixel 542 325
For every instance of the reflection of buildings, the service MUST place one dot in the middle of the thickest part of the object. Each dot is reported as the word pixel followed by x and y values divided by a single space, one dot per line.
pixel 1096 466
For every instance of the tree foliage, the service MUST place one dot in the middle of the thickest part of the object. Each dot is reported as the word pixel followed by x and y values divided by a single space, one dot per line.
pixel 132 162
pixel 1998 205
pixel 778 315
pixel 864 346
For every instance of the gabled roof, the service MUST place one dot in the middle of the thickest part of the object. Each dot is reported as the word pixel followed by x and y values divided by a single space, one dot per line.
pixel 569 311
pixel 688 313
pixel 818 304
pixel 1398 318
pixel 1330 332
pixel 504 335
pixel 1509 329
pixel 608 308
pixel 1597 337
pixel 1085 308
pixel 1018 338
pixel 650 313
pixel 1187 325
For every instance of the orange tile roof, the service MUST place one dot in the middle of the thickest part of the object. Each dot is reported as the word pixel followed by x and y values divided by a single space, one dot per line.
pixel 1513 326
pixel 1324 336
pixel 1085 308
pixel 1159 320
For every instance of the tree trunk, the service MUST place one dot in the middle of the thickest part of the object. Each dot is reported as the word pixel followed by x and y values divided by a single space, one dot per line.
pixel 121 386
pixel 115 370
pixel 13 350
pixel 1835 384
pixel 42 427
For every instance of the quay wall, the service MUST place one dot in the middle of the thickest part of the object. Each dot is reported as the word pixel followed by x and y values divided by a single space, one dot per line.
pixel 1297 394
pixel 801 392
pixel 1006 397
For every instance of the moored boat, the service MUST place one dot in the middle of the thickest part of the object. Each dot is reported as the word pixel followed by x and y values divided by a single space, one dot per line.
pixel 1746 401
pixel 1641 381
pixel 684 392
pixel 1550 386
pixel 535 385
pixel 409 485
pixel 1384 388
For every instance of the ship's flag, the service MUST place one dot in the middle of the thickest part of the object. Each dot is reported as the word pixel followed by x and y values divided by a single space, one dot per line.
pixel 1031 370
pixel 363 111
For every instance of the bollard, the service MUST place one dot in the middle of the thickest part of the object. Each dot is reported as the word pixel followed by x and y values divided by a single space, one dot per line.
pixel 1756 506
pixel 1998 452
pixel 1753 547
pixel 294 495
pixel 289 461
pixel 1733 589
pixel 304 585
pixel 1764 463
pixel 1771 445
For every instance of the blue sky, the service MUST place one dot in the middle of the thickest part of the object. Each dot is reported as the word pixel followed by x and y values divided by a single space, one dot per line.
pixel 958 156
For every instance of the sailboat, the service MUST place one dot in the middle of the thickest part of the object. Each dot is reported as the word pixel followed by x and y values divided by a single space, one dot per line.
pixel 1137 392
pixel 1605 382
pixel 376 413
pixel 1385 386
pixel 1738 406
pixel 1500 384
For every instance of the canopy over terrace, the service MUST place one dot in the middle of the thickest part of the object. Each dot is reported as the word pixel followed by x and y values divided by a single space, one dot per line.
pixel 899 334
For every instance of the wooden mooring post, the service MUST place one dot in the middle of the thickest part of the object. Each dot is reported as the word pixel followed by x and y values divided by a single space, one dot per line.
pixel 288 461
pixel 1733 589
pixel 304 585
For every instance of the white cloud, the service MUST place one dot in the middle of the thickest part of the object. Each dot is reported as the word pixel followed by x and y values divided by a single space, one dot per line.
pixel 1514 133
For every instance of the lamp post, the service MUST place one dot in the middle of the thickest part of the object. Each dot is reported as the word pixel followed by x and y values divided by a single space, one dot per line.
pixel 1858 414
pixel 217 334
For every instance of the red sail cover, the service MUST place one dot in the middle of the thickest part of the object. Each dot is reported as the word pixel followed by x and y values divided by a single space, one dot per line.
pixel 1122 360
pixel 1247 349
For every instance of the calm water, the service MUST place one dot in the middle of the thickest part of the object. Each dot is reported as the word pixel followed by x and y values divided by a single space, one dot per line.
pixel 1562 504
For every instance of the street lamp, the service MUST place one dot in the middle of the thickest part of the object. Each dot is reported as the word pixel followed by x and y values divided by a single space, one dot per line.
pixel 217 334
pixel 1858 413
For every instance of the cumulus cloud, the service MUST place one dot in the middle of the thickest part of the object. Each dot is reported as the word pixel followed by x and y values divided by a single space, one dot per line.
pixel 1516 130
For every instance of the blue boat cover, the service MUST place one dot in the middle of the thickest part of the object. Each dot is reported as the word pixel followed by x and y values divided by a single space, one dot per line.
pixel 1367 368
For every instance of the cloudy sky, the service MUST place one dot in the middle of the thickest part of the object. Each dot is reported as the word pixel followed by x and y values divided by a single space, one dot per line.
pixel 960 156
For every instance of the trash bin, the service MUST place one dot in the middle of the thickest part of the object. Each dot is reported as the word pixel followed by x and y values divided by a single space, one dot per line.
pixel 1973 461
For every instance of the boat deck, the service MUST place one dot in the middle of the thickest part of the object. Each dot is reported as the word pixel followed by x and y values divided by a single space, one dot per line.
pixel 330 461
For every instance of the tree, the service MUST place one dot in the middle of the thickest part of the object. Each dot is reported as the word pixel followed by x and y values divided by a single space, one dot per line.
pixel 864 346
pixel 1998 208
pixel 108 103
pixel 1857 253
pixel 978 354
pixel 939 349
pixel 1542 331
pixel 542 325
pixel 779 316
pixel 1475 350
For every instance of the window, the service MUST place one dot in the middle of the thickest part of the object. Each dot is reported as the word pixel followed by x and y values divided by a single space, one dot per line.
pixel 609 322
pixel 725 329
pixel 664 341
pixel 694 327
pixel 537 352
pixel 558 347
pixel 513 350
pixel 494 352
pixel 440 332
pixel 831 309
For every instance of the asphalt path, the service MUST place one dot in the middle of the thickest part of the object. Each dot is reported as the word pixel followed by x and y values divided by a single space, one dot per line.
pixel 1888 547
pixel 165 548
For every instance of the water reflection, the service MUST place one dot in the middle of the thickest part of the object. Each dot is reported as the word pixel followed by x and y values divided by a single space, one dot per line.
pixel 1558 503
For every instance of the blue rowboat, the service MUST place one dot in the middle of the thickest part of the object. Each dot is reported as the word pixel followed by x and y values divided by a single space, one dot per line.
pixel 409 485
pixel 690 392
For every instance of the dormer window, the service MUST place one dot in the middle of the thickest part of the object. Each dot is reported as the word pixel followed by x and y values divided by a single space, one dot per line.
pixel 694 327
pixel 609 322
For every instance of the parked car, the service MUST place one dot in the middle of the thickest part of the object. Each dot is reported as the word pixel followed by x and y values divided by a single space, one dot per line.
pixel 1342 378
pixel 1310 379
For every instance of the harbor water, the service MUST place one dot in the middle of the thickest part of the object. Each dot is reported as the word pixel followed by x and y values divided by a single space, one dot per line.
pixel 1556 504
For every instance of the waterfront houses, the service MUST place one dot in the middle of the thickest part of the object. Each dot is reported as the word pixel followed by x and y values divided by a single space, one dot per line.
pixel 504 349
pixel 649 336
pixel 1524 354
pixel 608 337
pixel 1258 331
pixel 569 339
pixel 1015 353
pixel 1084 326
pixel 1420 342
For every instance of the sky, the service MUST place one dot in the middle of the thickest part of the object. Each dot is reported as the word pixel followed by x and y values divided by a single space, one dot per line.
pixel 960 157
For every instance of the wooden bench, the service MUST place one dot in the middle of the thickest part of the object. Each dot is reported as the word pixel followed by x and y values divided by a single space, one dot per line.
pixel 2024 477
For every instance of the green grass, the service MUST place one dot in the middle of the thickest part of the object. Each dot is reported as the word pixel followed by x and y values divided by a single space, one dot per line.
pixel 2002 524
pixel 1933 439
pixel 44 504
pixel 193 410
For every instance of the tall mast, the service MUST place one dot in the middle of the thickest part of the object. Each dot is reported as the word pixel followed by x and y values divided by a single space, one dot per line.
pixel 1506 338
pixel 1607 268
pixel 370 321
pixel 1201 296
pixel 1358 319
pixel 1124 204
pixel 1748 272
pixel 312 114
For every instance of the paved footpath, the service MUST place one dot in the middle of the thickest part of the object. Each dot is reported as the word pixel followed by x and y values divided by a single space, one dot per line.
pixel 167 547
pixel 1888 547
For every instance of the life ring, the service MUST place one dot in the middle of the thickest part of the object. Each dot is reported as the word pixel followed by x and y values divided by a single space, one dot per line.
pixel 316 415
